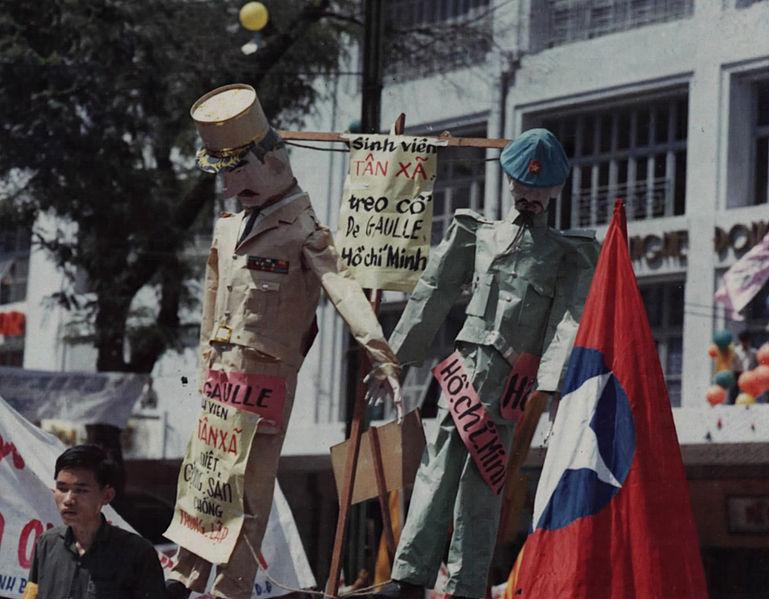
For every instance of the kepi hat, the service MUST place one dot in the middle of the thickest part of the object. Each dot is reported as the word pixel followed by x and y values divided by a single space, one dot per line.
pixel 536 159
pixel 229 120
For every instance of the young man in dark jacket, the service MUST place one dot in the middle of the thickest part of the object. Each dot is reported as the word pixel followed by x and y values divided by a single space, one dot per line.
pixel 87 557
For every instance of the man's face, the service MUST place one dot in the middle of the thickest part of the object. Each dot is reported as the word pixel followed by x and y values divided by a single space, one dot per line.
pixel 79 497
pixel 253 181
pixel 534 200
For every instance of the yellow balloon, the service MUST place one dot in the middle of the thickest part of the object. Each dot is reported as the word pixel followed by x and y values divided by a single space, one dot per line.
pixel 254 16
pixel 744 399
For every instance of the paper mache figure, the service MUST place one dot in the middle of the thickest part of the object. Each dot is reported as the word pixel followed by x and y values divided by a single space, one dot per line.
pixel 262 286
pixel 529 283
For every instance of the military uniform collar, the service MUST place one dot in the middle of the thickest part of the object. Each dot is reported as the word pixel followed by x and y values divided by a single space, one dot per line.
pixel 291 206
pixel 284 204
pixel 537 221
pixel 286 210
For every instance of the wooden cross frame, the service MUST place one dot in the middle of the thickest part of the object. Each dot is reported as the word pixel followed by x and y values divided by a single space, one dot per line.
pixel 463 142
pixel 356 430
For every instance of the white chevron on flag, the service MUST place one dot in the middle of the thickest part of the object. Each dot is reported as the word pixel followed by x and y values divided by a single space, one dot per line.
pixel 574 444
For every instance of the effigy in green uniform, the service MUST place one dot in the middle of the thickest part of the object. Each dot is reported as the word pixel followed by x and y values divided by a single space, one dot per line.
pixel 529 283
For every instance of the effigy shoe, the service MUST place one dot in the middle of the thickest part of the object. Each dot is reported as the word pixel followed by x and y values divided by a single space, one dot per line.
pixel 398 589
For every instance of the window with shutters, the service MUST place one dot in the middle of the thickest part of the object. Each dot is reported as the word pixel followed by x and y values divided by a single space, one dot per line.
pixel 15 243
pixel 747 141
pixel 426 37
pixel 12 351
pixel 574 20
pixel 664 302
pixel 761 142
pixel 459 183
pixel 636 152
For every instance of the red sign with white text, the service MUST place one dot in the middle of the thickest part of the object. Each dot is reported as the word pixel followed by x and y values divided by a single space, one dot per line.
pixel 477 430
pixel 258 394
pixel 518 387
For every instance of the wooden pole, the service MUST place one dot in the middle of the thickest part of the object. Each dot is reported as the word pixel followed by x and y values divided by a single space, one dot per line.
pixel 381 487
pixel 350 466
pixel 524 433
pixel 466 142
pixel 371 80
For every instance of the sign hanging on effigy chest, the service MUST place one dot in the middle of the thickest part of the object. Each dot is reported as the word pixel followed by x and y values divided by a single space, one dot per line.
pixel 387 209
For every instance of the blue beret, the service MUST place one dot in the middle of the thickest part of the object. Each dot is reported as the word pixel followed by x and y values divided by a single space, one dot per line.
pixel 535 158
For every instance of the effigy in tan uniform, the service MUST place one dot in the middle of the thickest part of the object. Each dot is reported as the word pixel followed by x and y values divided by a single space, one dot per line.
pixel 262 287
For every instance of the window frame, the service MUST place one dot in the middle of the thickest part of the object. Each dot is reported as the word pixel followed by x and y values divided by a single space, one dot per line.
pixel 759 135
pixel 15 246
pixel 601 161
pixel 12 351
pixel 473 18
pixel 447 188
pixel 667 330
pixel 569 21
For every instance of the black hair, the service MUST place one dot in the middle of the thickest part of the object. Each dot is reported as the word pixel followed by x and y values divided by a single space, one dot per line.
pixel 88 457
pixel 744 335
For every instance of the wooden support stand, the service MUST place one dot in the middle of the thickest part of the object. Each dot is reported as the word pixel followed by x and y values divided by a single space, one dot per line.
pixel 351 465
pixel 356 430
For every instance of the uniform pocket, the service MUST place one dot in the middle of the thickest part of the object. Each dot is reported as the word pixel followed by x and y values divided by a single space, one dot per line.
pixel 535 306
pixel 263 299
pixel 482 286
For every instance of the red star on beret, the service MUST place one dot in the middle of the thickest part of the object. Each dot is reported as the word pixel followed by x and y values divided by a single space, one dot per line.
pixel 534 166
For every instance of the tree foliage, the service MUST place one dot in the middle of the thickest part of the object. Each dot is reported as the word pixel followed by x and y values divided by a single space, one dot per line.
pixel 95 128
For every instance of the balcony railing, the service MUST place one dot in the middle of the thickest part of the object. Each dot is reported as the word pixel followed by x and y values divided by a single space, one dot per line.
pixel 643 200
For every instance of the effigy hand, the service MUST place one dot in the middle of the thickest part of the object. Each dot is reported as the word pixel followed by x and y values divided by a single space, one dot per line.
pixel 387 388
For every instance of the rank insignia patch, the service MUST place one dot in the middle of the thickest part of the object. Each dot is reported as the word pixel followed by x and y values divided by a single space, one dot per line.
pixel 267 264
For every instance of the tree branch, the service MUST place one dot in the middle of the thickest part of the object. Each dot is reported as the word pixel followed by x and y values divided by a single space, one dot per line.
pixel 277 46
pixel 149 343
pixel 162 249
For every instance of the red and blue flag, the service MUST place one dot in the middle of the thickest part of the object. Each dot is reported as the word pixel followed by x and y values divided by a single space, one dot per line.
pixel 612 514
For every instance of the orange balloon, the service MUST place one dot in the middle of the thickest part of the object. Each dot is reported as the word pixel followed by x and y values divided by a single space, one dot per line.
pixel 762 378
pixel 762 355
pixel 715 395
pixel 749 383
pixel 712 350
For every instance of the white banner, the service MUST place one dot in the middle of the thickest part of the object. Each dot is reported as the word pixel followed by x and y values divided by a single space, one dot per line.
pixel 387 209
pixel 744 279
pixel 27 508
pixel 81 397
